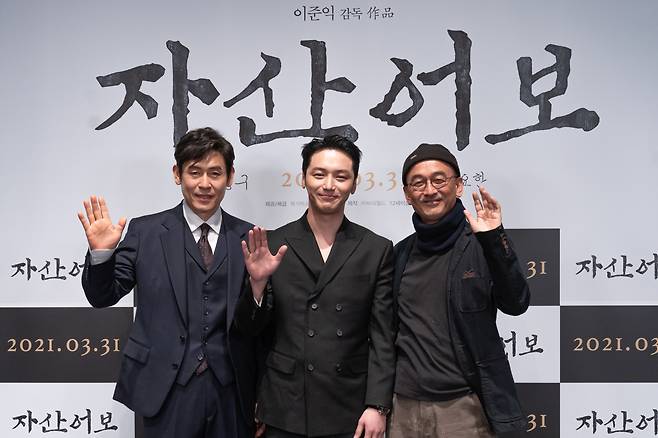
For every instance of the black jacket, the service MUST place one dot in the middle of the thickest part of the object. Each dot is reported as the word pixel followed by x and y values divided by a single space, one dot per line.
pixel 483 276
pixel 332 352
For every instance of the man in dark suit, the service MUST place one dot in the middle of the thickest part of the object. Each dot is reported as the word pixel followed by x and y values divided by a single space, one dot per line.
pixel 328 308
pixel 186 369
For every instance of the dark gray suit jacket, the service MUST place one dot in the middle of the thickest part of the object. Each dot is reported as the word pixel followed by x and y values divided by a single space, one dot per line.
pixel 151 259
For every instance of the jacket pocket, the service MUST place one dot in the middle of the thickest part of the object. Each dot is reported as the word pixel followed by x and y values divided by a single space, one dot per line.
pixel 475 294
pixel 281 362
pixel 136 351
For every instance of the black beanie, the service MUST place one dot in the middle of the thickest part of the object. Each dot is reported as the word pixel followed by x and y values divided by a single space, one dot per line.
pixel 426 152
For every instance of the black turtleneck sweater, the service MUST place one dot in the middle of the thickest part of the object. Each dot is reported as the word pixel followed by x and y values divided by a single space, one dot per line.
pixel 427 368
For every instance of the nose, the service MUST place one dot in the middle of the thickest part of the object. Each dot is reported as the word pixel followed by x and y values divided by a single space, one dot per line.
pixel 430 187
pixel 329 183
pixel 204 181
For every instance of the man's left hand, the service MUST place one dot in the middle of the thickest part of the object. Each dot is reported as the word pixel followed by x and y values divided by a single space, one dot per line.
pixel 488 211
pixel 259 261
pixel 372 424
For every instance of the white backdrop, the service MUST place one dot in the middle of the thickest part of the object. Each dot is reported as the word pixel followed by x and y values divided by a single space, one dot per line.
pixel 595 187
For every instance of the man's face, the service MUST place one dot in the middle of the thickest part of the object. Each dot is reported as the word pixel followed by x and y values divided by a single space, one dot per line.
pixel 329 181
pixel 204 183
pixel 430 203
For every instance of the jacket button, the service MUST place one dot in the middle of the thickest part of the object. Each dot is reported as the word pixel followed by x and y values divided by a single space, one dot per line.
pixel 310 367
pixel 339 307
pixel 339 368
pixel 339 332
pixel 310 333
pixel 314 306
pixel 174 366
pixel 199 356
pixel 182 339
pixel 205 283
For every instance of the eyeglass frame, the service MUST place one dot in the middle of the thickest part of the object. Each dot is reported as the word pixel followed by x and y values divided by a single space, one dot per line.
pixel 442 184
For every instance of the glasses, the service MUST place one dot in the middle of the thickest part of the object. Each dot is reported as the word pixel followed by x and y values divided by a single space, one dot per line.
pixel 438 183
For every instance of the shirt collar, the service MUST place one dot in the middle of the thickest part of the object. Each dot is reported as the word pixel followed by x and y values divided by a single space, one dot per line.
pixel 194 221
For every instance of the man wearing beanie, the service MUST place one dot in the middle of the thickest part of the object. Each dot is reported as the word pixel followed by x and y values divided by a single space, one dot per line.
pixel 452 376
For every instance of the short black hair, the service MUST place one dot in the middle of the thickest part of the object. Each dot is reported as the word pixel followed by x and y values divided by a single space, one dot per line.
pixel 198 143
pixel 336 142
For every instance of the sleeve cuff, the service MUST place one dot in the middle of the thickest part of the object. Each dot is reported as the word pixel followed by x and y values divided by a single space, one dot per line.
pixel 98 256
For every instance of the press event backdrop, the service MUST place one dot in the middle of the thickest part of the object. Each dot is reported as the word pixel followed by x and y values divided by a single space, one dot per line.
pixel 550 105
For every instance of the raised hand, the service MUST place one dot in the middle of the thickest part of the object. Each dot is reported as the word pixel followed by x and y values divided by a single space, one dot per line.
pixel 100 231
pixel 258 259
pixel 488 211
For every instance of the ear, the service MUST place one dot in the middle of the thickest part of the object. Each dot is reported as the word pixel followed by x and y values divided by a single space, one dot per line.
pixel 353 186
pixel 176 172
pixel 231 174
pixel 406 190
pixel 460 187
pixel 303 180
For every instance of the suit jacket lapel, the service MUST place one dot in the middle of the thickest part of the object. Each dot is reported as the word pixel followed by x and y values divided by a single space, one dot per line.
pixel 401 263
pixel 302 242
pixel 458 250
pixel 235 233
pixel 347 240
pixel 172 245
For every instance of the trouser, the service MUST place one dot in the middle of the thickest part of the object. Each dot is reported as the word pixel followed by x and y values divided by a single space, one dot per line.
pixel 273 432
pixel 462 417
pixel 203 408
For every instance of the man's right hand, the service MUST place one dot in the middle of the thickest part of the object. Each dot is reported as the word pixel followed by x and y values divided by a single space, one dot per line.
pixel 100 231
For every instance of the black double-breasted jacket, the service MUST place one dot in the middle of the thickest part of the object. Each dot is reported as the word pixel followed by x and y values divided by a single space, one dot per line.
pixel 331 324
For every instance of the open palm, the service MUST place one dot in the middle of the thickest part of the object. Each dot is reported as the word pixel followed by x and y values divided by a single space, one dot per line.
pixel 489 215
pixel 258 259
pixel 100 231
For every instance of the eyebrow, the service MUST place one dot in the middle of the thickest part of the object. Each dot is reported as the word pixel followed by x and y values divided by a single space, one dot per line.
pixel 322 169
pixel 196 166
pixel 434 175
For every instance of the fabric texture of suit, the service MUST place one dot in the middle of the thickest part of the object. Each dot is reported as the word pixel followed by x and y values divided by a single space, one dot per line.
pixel 483 276
pixel 331 352
pixel 152 259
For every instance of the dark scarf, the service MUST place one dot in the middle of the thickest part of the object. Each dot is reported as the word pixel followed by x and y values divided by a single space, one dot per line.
pixel 441 236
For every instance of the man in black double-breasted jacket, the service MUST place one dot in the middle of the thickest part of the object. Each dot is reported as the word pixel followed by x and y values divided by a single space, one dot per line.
pixel 328 308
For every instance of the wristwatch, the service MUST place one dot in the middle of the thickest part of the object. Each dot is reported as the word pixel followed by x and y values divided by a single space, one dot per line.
pixel 381 410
